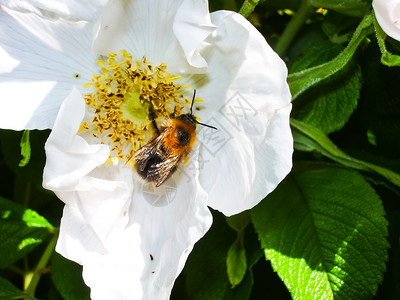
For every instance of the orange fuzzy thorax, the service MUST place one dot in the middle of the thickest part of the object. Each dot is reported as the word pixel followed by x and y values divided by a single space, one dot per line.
pixel 171 140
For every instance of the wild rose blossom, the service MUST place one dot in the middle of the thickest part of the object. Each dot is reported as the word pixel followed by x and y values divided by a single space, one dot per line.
pixel 387 13
pixel 90 74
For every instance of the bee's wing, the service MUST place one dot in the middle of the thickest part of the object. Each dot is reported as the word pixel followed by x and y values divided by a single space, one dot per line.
pixel 161 171
pixel 153 164
pixel 147 152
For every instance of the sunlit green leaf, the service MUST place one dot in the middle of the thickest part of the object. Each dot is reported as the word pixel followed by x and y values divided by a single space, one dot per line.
pixel 325 234
pixel 21 230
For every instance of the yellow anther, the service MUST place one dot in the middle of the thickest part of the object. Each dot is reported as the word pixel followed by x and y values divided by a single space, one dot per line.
pixel 119 105
pixel 88 85
pixel 84 126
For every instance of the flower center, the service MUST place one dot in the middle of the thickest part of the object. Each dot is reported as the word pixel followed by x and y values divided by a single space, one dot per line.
pixel 125 95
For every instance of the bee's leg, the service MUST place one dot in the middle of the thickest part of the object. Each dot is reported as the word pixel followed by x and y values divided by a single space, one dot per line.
pixel 152 118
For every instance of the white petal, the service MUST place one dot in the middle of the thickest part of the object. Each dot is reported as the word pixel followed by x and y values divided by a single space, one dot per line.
pixel 387 13
pixel 147 28
pixel 142 259
pixel 151 252
pixel 44 60
pixel 73 10
pixel 191 26
pixel 93 217
pixel 97 207
pixel 77 239
pixel 246 96
pixel 70 157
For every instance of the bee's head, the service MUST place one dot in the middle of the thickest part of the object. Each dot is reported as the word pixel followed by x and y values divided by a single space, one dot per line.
pixel 190 118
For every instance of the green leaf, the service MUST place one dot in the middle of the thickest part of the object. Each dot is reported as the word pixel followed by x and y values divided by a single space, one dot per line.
pixel 67 277
pixel 205 270
pixel 21 230
pixel 8 290
pixel 328 105
pixel 236 261
pixel 11 149
pixel 324 232
pixel 301 81
pixel 309 138
pixel 387 58
pixel 25 149
pixel 338 28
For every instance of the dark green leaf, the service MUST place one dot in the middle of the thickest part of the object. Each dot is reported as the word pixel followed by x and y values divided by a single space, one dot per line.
pixel 21 230
pixel 325 234
pixel 329 104
pixel 8 290
pixel 338 28
pixel 25 149
pixel 205 270
pixel 309 138
pixel 301 81
pixel 67 277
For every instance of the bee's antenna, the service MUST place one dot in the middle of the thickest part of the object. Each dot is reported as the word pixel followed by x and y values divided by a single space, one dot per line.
pixel 191 113
pixel 191 106
pixel 207 125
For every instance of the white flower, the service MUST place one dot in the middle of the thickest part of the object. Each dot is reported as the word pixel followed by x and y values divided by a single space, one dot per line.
pixel 133 241
pixel 387 13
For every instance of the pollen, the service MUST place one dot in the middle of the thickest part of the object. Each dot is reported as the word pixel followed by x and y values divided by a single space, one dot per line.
pixel 117 111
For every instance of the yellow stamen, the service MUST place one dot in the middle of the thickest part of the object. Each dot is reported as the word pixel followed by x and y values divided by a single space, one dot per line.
pixel 120 102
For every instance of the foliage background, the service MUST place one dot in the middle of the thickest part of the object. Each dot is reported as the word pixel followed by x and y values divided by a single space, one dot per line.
pixel 331 230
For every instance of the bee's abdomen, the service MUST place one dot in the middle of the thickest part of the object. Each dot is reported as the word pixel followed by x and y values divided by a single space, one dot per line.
pixel 143 166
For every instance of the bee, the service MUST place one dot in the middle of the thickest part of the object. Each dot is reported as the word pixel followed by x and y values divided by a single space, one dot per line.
pixel 156 161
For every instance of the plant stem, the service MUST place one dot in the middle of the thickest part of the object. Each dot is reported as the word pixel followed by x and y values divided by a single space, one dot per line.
pixel 32 278
pixel 247 7
pixel 293 27
pixel 301 81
